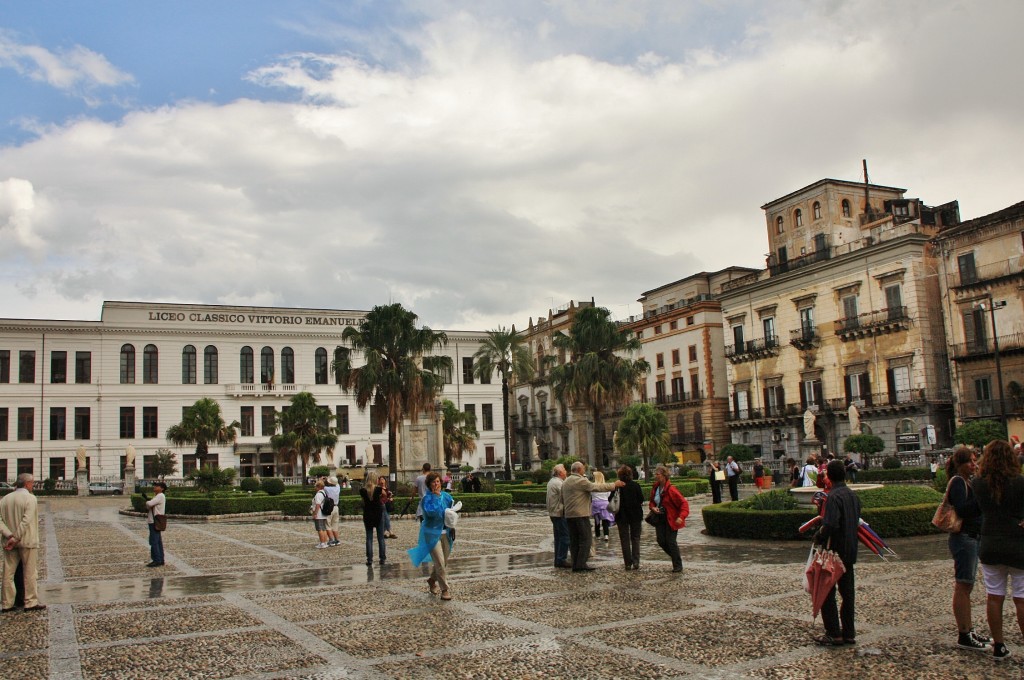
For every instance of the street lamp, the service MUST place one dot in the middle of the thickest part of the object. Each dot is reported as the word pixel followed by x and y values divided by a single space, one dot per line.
pixel 993 305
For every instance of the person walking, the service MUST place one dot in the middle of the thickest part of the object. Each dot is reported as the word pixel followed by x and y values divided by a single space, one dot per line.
pixel 963 546
pixel 435 539
pixel 599 508
pixel 1000 491
pixel 556 511
pixel 671 509
pixel 732 474
pixel 333 492
pixel 156 507
pixel 19 524
pixel 319 518
pixel 839 532
pixel 759 478
pixel 630 518
pixel 373 509
pixel 421 488
pixel 576 491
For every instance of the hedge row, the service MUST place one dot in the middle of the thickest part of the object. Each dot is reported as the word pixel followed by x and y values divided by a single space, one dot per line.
pixel 537 495
pixel 902 474
pixel 293 505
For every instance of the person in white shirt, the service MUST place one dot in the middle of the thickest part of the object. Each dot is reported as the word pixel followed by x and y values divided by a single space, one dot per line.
pixel 157 505
pixel 333 492
pixel 809 474
pixel 319 519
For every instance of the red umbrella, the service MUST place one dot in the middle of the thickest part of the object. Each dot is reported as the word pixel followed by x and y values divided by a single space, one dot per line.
pixel 823 573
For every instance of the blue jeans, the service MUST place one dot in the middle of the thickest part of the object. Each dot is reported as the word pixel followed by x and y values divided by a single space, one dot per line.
pixel 156 545
pixel 964 550
pixel 561 529
pixel 381 550
pixel 385 519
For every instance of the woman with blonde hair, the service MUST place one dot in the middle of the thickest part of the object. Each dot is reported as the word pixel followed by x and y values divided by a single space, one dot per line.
pixel 599 508
pixel 373 509
pixel 1000 491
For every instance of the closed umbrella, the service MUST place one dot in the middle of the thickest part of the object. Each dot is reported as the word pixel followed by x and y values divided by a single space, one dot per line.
pixel 823 573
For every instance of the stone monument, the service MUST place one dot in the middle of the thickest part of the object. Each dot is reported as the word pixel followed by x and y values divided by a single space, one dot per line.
pixel 81 474
pixel 129 469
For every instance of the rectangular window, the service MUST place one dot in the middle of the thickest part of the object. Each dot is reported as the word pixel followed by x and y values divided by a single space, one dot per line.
pixel 737 339
pixel 899 384
pixel 673 325
pixel 470 410
pixel 659 360
pixel 268 421
pixel 127 422
pixel 58 423
pixel 768 326
pixel 26 424
pixel 149 422
pixel 248 421
pixel 350 454
pixel 657 329
pixel 810 392
pixel 689 321
pixel 25 466
pixel 675 357
pixel 83 368
pixel 774 399
pixel 341 419
pixel 965 265
pixel 679 389
pixel 659 391
pixel 488 455
pixel 5 365
pixel 378 452
pixel 3 468
pixel 894 301
pixel 58 467
pixel 58 367
pixel 807 323
pixel 694 386
pixel 376 425
pixel 27 366
pixel 83 423
pixel 692 353
pixel 850 311
pixel 467 370
pixel 741 404
pixel 983 389
pixel 487 416
pixel 4 426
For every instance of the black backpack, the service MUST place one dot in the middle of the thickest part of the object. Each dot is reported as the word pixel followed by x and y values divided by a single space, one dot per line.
pixel 327 507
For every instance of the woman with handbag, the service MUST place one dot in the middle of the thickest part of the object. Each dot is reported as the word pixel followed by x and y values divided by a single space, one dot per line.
pixel 1000 491
pixel 716 475
pixel 963 545
pixel 630 517
pixel 669 510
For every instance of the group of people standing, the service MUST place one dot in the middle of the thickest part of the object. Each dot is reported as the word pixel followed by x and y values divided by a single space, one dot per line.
pixel 573 500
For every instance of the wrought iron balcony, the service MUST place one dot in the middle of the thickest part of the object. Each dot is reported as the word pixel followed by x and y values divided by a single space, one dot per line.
pixel 804 337
pixel 797 262
pixel 752 349
pixel 981 348
pixel 872 323
pixel 987 273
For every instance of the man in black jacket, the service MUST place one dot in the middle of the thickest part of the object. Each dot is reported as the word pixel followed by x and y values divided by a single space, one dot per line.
pixel 839 532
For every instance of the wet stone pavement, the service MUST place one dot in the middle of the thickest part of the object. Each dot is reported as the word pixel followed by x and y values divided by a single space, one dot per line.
pixel 257 600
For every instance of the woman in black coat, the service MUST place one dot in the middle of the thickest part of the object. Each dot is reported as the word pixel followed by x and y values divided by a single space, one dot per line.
pixel 714 467
pixel 630 517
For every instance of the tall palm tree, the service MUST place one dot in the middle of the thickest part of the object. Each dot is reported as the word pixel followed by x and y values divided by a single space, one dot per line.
pixel 644 428
pixel 398 378
pixel 460 433
pixel 598 374
pixel 506 352
pixel 203 425
pixel 305 430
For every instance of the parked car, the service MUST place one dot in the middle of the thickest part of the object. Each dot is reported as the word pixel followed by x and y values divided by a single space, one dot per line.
pixel 101 488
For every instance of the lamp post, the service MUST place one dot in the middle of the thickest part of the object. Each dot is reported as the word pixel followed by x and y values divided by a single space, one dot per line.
pixel 993 305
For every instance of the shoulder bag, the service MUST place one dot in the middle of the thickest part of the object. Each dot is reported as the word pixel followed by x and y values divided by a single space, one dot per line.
pixel 159 522
pixel 614 502
pixel 945 515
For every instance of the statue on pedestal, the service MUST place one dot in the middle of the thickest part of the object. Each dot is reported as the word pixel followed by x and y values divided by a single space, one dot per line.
pixel 129 456
pixel 809 419
pixel 80 457
pixel 854 419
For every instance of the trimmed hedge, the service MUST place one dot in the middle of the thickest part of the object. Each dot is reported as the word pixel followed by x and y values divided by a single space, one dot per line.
pixel 902 474
pixel 537 495
pixel 296 505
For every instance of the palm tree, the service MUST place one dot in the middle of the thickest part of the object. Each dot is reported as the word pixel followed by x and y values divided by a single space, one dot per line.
pixel 397 377
pixel 506 352
pixel 644 428
pixel 460 432
pixel 597 376
pixel 203 425
pixel 305 430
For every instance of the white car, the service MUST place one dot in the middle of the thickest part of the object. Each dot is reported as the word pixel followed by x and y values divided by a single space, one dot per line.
pixel 101 488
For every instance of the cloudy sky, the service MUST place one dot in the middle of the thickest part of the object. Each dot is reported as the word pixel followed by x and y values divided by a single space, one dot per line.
pixel 478 161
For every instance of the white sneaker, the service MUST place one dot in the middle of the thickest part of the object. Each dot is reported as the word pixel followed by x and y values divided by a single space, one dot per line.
pixel 321 546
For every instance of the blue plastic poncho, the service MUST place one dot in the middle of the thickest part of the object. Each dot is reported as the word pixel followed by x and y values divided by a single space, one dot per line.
pixel 431 527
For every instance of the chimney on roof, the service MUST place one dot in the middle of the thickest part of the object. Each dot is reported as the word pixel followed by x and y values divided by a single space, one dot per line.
pixel 867 191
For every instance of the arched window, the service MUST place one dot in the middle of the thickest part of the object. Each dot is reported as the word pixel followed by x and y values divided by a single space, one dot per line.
pixel 698 427
pixel 267 365
pixel 798 217
pixel 210 365
pixel 245 369
pixel 127 365
pixel 188 365
pixel 320 366
pixel 846 208
pixel 287 366
pixel 817 210
pixel 779 228
pixel 150 365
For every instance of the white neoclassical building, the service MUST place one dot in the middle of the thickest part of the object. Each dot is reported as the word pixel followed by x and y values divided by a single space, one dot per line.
pixel 123 380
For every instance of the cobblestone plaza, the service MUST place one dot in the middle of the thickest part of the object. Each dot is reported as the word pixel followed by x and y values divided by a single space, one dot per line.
pixel 256 600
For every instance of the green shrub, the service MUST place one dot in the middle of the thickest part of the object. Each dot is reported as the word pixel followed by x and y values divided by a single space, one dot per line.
pixel 210 479
pixel 317 471
pixel 898 495
pixel 739 452
pixel 778 499
pixel 903 474
pixel 272 486
pixel 49 485
pixel 891 463
pixel 978 433
pixel 864 444
pixel 249 484
pixel 940 481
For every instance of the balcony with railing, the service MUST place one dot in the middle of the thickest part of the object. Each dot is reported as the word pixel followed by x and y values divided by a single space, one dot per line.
pixel 752 349
pixel 804 337
pixel 680 399
pixel 983 348
pixel 257 390
pixel 988 273
pixel 776 268
pixel 869 324
pixel 868 405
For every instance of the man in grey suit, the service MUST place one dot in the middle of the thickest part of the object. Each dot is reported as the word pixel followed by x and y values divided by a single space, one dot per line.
pixel 576 502
pixel 19 525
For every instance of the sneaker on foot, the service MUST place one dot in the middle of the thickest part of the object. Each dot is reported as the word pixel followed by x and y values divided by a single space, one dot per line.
pixel 967 641
pixel 321 546
pixel 983 639
pixel 1000 651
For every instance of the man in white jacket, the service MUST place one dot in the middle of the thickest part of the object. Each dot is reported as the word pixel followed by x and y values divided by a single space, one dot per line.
pixel 19 526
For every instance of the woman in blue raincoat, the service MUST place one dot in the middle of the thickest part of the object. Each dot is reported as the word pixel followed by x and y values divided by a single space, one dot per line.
pixel 435 540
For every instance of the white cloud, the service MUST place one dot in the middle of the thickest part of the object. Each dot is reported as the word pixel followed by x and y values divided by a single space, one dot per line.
pixel 76 70
pixel 493 179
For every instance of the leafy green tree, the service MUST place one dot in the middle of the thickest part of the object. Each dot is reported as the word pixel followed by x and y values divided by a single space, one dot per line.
pixel 506 352
pixel 397 377
pixel 598 375
pixel 305 430
pixel 203 425
pixel 979 432
pixel 864 444
pixel 210 479
pixel 739 452
pixel 644 428
pixel 460 432
pixel 164 463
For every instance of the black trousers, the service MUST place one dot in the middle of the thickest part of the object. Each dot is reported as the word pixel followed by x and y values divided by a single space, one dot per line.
pixel 579 541
pixel 629 537
pixel 734 487
pixel 716 491
pixel 667 542
pixel 839 622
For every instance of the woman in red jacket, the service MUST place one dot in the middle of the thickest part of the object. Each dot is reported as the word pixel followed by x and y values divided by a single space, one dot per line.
pixel 671 510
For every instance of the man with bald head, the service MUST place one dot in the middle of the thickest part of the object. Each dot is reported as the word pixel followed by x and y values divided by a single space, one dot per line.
pixel 19 525
pixel 556 511
pixel 576 502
